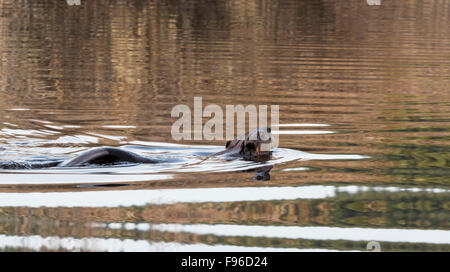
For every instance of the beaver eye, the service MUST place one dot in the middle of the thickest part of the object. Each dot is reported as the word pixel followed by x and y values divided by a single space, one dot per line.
pixel 250 146
pixel 227 144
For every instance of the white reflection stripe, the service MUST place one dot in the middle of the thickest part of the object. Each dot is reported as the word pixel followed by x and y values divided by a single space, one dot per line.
pixel 18 109
pixel 170 196
pixel 35 179
pixel 309 233
pixel 115 245
pixel 295 169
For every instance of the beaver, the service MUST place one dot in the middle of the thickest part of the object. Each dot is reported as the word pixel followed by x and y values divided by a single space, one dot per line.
pixel 253 146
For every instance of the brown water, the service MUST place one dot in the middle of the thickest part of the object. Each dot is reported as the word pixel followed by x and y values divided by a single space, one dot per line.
pixel 364 105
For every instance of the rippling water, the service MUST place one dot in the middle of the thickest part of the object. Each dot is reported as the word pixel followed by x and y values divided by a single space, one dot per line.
pixel 364 127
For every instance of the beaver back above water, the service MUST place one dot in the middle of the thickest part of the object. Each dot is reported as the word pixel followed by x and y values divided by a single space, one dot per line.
pixel 106 156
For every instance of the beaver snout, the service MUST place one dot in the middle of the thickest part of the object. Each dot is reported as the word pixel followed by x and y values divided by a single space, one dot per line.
pixel 257 145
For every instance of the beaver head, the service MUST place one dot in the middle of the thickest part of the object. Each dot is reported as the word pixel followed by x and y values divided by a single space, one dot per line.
pixel 254 145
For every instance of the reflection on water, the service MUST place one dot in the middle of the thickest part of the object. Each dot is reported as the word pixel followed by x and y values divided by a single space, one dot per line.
pixel 170 196
pixel 364 105
pixel 314 233
pixel 113 245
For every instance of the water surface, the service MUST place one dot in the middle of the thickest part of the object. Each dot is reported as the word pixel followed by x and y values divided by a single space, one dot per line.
pixel 364 128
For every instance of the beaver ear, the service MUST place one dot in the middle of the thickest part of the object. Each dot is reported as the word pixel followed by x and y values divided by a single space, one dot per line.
pixel 227 144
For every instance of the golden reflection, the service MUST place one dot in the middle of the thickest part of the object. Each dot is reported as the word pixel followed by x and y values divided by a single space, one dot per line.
pixel 109 73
